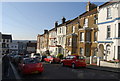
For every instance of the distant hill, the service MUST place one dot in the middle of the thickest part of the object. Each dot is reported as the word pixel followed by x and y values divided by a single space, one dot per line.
pixel 24 41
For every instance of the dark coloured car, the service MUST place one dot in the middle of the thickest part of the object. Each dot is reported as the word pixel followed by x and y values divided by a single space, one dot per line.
pixel 38 56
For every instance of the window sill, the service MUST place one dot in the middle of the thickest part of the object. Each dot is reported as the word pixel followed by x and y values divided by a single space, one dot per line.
pixel 81 41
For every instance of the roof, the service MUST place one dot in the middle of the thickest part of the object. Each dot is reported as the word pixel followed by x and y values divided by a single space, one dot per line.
pixel 87 13
pixel 64 23
pixel 52 29
pixel 5 36
pixel 72 20
pixel 106 4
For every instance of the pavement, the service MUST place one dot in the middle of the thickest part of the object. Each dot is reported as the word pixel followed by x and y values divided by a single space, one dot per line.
pixel 11 75
pixel 109 69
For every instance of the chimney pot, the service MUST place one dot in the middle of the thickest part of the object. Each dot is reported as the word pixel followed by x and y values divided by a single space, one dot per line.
pixel 45 31
pixel 63 20
pixel 56 23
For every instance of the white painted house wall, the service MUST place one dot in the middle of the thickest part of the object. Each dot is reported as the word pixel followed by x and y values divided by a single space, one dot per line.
pixel 61 37
pixel 103 22
pixel 52 42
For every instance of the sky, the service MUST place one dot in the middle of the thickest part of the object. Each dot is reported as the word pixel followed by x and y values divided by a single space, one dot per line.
pixel 25 20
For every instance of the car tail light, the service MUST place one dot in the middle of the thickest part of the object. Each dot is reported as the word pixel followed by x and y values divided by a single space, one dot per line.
pixel 23 64
pixel 41 65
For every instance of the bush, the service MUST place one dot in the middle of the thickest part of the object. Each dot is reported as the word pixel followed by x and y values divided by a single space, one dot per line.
pixel 60 56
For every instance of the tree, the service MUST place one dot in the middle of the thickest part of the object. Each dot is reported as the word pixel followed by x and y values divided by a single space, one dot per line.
pixel 60 55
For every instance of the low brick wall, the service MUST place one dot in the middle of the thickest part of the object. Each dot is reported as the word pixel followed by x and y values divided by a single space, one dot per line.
pixel 107 64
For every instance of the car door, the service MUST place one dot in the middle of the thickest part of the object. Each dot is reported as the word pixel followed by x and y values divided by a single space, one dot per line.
pixel 71 60
pixel 67 60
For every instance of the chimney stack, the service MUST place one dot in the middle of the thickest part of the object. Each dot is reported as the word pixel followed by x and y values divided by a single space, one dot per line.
pixel 56 24
pixel 45 31
pixel 90 6
pixel 63 20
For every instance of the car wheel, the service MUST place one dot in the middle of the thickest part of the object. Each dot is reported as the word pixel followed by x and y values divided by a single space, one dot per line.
pixel 18 70
pixel 62 64
pixel 73 66
pixel 21 74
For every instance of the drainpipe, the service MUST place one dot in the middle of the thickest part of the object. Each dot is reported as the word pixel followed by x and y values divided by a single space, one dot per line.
pixel 90 59
pixel 98 61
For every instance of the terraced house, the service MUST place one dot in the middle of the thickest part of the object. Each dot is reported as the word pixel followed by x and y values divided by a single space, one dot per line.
pixel 71 36
pixel 42 43
pixel 52 45
pixel 95 33
pixel 87 33
pixel 61 37
pixel 109 31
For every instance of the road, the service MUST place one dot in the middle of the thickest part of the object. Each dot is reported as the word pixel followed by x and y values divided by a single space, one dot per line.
pixel 56 71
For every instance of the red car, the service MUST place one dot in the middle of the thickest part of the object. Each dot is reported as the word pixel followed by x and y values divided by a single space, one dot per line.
pixel 52 59
pixel 30 66
pixel 74 61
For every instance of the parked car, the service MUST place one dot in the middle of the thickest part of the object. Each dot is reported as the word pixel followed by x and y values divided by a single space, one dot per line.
pixel 38 56
pixel 52 59
pixel 74 61
pixel 11 56
pixel 30 66
pixel 42 58
pixel 17 59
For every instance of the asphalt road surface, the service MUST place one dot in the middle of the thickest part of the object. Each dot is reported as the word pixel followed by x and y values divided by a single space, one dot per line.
pixel 56 71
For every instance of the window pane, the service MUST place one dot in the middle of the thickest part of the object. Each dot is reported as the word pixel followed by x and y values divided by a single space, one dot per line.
pixel 119 52
pixel 108 12
pixel 95 36
pixel 81 51
pixel 88 36
pixel 119 30
pixel 81 36
pixel 108 31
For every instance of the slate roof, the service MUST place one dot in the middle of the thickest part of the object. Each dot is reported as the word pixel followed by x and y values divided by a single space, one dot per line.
pixel 107 3
pixel 5 36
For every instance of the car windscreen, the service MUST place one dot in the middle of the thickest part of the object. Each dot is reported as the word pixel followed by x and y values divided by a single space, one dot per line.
pixel 80 57
pixel 31 61
pixel 36 54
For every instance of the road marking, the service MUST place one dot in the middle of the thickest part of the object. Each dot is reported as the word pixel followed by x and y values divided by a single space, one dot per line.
pixel 15 72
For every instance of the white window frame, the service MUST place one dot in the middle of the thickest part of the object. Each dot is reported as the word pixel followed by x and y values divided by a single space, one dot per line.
pixel 82 36
pixel 86 22
pixel 73 29
pixel 108 13
pixel 82 51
